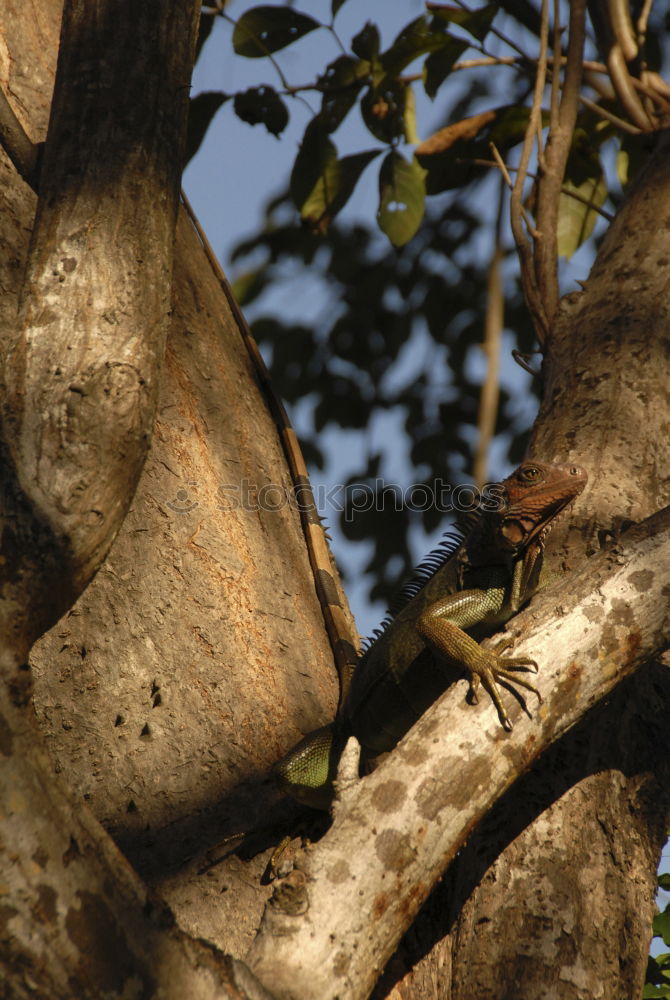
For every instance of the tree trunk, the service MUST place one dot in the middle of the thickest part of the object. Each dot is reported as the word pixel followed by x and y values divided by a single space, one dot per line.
pixel 198 653
pixel 179 675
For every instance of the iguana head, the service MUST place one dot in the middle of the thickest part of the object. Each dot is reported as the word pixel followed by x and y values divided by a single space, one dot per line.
pixel 531 498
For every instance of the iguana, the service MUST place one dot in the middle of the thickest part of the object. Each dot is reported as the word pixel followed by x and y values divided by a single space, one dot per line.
pixel 474 583
pixel 464 592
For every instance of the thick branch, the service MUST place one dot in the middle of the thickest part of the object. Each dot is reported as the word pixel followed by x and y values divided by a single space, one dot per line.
pixel 396 831
pixel 81 372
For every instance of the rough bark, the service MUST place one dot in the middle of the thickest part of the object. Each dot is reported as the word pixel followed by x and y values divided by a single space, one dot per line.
pixel 410 818
pixel 75 920
pixel 82 364
pixel 179 675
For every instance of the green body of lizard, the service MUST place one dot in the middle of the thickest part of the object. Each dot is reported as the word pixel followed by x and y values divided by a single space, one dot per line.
pixel 464 595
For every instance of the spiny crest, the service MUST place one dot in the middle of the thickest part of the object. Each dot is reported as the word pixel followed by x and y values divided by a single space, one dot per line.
pixel 449 544
pixel 428 567
pixel 370 640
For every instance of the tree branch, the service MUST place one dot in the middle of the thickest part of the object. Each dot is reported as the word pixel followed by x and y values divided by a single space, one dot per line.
pixel 555 160
pixel 394 834
pixel 81 371
pixel 531 291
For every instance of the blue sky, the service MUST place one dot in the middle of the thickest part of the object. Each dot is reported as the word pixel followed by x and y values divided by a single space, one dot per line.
pixel 239 167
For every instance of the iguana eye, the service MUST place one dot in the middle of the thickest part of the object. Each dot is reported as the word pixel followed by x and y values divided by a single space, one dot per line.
pixel 530 473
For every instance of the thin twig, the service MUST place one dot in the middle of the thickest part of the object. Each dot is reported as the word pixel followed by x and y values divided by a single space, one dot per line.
pixel 493 327
pixel 555 77
pixel 498 164
pixel 556 156
pixel 504 170
pixel 608 116
pixel 523 362
pixel 523 247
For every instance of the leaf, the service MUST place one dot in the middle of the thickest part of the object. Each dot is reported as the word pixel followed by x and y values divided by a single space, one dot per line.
pixel 411 135
pixel 340 85
pixel 249 285
pixel 664 880
pixel 315 151
pixel 419 37
pixel 661 925
pixel 383 110
pixel 334 187
pixel 438 65
pixel 201 110
pixel 266 29
pixel 262 106
pixel 465 129
pixel 448 154
pixel 576 220
pixel 401 198
pixel 415 39
pixel 335 6
pixel 365 44
pixel 475 22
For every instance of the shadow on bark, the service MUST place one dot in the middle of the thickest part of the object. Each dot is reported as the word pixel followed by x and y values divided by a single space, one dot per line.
pixel 637 745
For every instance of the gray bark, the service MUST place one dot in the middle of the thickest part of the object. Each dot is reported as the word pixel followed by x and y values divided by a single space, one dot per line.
pixel 410 818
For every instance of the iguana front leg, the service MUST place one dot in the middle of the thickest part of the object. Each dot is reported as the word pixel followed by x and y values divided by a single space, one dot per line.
pixel 442 626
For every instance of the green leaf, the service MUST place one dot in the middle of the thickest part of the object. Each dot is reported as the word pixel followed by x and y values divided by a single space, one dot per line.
pixel 265 29
pixel 475 22
pixel 448 154
pixel 262 106
pixel 410 118
pixel 334 187
pixel 401 198
pixel 664 880
pixel 201 110
pixel 651 992
pixel 316 150
pixel 365 44
pixel 575 218
pixel 661 925
pixel 383 110
pixel 249 285
pixel 438 65
pixel 416 39
pixel 510 125
pixel 340 85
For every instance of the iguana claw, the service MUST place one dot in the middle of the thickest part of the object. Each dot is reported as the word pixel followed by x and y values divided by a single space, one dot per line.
pixel 493 668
